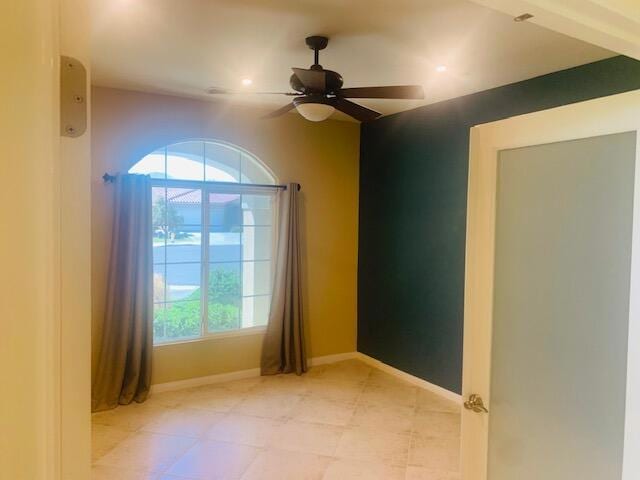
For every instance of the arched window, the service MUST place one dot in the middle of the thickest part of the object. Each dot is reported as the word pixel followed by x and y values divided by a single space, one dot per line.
pixel 213 220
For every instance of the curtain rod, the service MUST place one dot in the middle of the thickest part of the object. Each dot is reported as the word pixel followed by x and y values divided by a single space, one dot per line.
pixel 108 178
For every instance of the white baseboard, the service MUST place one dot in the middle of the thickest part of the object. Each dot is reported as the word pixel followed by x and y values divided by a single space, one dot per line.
pixel 338 357
pixel 324 360
pixel 240 374
pixel 418 382
pixel 209 379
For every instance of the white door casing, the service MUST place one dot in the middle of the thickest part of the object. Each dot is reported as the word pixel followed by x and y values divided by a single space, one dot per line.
pixel 609 115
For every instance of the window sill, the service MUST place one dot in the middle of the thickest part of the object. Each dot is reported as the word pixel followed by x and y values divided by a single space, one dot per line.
pixel 241 332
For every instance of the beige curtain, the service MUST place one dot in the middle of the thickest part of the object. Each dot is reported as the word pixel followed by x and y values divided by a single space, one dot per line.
pixel 124 365
pixel 283 350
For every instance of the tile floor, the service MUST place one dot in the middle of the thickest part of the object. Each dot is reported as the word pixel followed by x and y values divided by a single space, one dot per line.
pixel 338 422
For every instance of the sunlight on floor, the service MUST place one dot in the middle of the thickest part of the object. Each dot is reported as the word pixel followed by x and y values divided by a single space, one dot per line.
pixel 338 422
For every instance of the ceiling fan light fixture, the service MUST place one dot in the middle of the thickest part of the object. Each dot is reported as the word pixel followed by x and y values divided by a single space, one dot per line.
pixel 314 109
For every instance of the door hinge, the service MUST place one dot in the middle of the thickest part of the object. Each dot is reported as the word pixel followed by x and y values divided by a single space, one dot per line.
pixel 73 97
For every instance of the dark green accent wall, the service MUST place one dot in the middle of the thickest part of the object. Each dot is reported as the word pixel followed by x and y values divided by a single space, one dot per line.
pixel 413 194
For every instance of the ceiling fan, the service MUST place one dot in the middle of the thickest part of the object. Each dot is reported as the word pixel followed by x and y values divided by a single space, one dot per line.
pixel 318 92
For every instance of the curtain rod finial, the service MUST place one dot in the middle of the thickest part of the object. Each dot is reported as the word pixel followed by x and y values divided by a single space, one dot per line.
pixel 108 178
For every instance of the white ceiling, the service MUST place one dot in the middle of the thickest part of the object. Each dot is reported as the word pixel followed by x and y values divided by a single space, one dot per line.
pixel 185 46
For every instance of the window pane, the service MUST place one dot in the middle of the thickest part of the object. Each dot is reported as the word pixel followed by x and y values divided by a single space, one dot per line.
pixel 222 163
pixel 158 200
pixel 252 202
pixel 152 164
pixel 159 322
pixel 184 207
pixel 256 243
pixel 179 320
pixel 183 281
pixel 225 247
pixel 159 287
pixel 253 172
pixel 159 247
pixel 224 296
pixel 257 209
pixel 256 278
pixel 255 311
pixel 185 161
pixel 224 316
pixel 185 246
pixel 225 212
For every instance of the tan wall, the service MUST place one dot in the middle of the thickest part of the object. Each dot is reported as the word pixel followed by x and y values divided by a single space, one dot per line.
pixel 322 157
pixel 75 259
pixel 29 204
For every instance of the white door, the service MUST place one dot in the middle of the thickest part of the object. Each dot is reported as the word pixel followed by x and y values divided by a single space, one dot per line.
pixel 552 297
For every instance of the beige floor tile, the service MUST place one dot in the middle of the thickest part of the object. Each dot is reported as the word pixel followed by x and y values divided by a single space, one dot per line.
pixel 338 422
pixel 389 395
pixel 371 445
pixel 171 399
pixel 268 405
pixel 435 453
pixel 306 437
pixel 420 473
pixel 104 438
pixel 437 424
pixel 393 418
pixel 429 401
pixel 314 372
pixel 99 472
pixel 243 429
pixel 214 397
pixel 349 370
pixel 343 469
pixel 282 385
pixel 130 417
pixel 338 391
pixel 328 412
pixel 283 465
pixel 244 384
pixel 213 460
pixel 380 378
pixel 149 452
pixel 185 422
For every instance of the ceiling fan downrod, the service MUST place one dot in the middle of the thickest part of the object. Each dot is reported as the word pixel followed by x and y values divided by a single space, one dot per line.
pixel 316 43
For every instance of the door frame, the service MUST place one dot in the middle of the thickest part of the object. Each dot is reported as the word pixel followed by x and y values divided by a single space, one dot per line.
pixel 603 116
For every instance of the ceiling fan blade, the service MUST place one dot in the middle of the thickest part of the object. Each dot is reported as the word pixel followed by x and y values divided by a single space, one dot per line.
pixel 354 110
pixel 288 94
pixel 218 91
pixel 313 80
pixel 409 92
pixel 280 111
pixel 223 91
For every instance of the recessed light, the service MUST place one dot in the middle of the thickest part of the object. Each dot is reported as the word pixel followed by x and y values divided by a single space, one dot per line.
pixel 441 68
pixel 523 18
pixel 246 82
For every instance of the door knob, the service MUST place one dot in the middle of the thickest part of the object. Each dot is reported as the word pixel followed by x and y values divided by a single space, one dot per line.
pixel 476 404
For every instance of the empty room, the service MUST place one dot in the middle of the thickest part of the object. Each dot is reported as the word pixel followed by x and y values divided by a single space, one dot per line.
pixel 305 240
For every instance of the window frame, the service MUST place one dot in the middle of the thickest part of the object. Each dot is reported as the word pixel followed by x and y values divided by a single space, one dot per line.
pixel 206 188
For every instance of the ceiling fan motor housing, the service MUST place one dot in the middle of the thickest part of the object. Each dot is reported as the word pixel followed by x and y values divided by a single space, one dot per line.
pixel 333 83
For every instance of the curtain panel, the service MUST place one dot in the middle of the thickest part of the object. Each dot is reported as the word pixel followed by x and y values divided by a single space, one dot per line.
pixel 124 365
pixel 283 349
